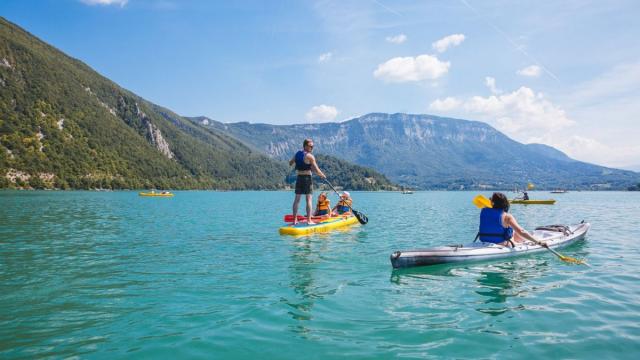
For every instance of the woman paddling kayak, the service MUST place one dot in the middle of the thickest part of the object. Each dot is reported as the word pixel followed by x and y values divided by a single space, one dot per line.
pixel 497 226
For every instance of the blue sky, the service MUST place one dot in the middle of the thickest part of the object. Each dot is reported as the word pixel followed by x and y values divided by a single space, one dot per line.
pixel 564 73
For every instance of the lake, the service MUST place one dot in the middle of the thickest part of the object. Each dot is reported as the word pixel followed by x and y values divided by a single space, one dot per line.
pixel 205 274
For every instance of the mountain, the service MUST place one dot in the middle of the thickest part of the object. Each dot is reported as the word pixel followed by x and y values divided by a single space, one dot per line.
pixel 64 125
pixel 548 151
pixel 431 152
pixel 349 176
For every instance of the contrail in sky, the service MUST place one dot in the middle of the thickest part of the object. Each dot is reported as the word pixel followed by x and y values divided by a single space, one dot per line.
pixel 516 46
pixel 387 8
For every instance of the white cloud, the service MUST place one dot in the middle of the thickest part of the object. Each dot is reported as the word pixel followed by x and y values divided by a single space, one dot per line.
pixel 519 114
pixel 446 104
pixel 406 69
pixel 398 39
pixel 325 57
pixel 448 41
pixel 531 71
pixel 491 84
pixel 122 3
pixel 322 113
pixel 594 121
pixel 592 150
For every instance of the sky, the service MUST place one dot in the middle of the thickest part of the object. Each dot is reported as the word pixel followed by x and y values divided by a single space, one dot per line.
pixel 562 73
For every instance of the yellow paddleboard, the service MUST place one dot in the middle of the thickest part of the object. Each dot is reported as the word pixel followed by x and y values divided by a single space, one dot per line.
pixel 154 194
pixel 533 202
pixel 329 224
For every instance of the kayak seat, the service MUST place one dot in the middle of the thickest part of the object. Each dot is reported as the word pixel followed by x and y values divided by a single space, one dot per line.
pixel 557 228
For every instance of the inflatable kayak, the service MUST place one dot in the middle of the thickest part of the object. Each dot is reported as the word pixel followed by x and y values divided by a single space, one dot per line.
pixel 554 235
pixel 322 225
pixel 156 194
pixel 533 202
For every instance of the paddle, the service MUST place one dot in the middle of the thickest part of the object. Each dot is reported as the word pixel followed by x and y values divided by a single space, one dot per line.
pixel 362 218
pixel 481 202
pixel 564 258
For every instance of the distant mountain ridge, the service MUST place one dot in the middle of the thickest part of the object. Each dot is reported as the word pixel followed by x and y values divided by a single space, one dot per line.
pixel 432 152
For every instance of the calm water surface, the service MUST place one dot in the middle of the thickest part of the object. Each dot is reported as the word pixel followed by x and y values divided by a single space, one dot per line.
pixel 206 275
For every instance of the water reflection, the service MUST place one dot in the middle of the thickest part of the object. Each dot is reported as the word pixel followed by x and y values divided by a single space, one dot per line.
pixel 495 283
pixel 305 255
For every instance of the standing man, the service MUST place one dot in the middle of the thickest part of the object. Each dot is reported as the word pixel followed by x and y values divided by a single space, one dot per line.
pixel 305 164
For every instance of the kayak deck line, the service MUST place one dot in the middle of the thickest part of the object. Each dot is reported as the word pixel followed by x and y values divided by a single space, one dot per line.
pixel 484 251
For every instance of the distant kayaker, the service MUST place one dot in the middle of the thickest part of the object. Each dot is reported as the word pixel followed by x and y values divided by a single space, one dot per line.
pixel 323 205
pixel 498 226
pixel 305 164
pixel 525 196
pixel 344 205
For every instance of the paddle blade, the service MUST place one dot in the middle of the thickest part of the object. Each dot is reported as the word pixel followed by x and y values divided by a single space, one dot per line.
pixel 569 259
pixel 481 202
pixel 362 218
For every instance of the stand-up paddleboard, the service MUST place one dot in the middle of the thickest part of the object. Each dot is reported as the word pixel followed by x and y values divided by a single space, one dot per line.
pixel 321 225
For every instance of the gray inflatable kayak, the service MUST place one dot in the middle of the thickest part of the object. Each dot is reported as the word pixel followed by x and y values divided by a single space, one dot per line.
pixel 555 236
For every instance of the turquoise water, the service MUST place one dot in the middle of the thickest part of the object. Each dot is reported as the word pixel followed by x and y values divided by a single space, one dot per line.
pixel 106 275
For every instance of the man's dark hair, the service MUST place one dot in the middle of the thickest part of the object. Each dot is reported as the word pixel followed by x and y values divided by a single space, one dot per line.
pixel 500 201
pixel 306 142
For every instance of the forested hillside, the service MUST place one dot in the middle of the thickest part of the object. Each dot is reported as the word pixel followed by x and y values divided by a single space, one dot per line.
pixel 62 125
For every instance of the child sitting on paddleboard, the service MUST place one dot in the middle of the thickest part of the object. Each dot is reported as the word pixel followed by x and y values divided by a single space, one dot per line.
pixel 344 205
pixel 323 207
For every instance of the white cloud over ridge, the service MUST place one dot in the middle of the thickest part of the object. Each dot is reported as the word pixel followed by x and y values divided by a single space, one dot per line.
pixel 325 57
pixel 591 150
pixel 448 41
pixel 491 84
pixel 446 104
pixel 322 113
pixel 518 114
pixel 398 39
pixel 122 3
pixel 530 117
pixel 530 71
pixel 411 69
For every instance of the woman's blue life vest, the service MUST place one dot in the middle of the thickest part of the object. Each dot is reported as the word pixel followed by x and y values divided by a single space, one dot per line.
pixel 300 164
pixel 491 229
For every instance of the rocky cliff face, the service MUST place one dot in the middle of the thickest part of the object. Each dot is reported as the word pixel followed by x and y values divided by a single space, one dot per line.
pixel 427 151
